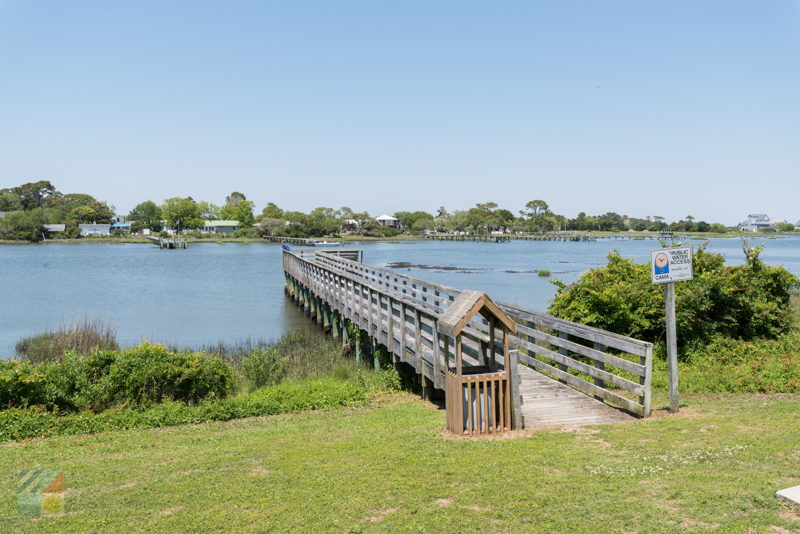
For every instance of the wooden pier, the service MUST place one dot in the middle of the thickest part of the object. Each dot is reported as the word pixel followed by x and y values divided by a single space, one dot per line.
pixel 507 238
pixel 303 242
pixel 168 242
pixel 561 372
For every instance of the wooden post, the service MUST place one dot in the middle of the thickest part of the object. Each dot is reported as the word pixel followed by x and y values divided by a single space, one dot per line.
pixel 335 324
pixel 492 360
pixel 672 348
pixel 437 363
pixel 646 399
pixel 599 365
pixel 516 398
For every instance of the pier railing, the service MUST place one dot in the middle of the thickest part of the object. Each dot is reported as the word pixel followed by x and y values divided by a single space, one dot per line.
pixel 401 312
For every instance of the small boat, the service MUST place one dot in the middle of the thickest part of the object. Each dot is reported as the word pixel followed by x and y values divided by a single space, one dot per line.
pixel 326 243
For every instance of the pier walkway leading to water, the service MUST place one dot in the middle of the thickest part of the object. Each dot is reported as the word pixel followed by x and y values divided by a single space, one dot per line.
pixel 567 373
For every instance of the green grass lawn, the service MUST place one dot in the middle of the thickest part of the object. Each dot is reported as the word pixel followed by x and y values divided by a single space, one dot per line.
pixel 388 467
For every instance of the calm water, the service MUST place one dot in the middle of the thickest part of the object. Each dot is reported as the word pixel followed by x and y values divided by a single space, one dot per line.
pixel 211 292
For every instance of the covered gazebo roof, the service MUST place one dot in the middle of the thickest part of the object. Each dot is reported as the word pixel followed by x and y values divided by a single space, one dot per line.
pixel 468 304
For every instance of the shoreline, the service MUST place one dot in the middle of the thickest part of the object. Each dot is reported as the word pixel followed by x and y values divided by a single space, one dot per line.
pixel 143 240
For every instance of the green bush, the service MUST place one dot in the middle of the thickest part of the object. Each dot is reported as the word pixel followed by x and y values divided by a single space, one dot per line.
pixel 749 301
pixel 252 232
pixel 140 376
pixel 263 367
pixel 725 365
pixel 543 272
pixel 21 384
pixel 289 397
pixel 148 374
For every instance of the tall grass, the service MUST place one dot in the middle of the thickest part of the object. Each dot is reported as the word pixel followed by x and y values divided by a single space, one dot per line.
pixel 82 337
pixel 307 355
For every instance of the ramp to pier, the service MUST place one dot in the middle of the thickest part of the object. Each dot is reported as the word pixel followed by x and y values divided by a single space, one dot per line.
pixel 547 402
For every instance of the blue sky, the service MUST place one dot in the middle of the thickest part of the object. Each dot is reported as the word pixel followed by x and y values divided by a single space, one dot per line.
pixel 668 108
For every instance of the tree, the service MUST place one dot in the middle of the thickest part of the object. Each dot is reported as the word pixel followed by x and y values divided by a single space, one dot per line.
pixel 33 194
pixel 272 211
pixel 148 215
pixel 273 226
pixel 208 211
pixel 9 201
pixel 23 225
pixel 241 211
pixel 234 198
pixel 409 218
pixel 534 209
pixel 182 213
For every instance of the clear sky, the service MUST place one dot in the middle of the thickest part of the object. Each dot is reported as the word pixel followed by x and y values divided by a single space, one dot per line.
pixel 668 108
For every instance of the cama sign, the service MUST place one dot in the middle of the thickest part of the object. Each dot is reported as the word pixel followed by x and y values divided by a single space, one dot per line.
pixel 671 265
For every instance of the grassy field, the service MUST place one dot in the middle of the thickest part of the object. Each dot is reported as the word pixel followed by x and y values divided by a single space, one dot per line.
pixel 388 467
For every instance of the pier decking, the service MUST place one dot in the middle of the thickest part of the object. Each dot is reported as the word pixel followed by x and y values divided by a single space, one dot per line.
pixel 563 373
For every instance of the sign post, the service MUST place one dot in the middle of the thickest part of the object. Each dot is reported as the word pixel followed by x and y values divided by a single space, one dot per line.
pixel 668 266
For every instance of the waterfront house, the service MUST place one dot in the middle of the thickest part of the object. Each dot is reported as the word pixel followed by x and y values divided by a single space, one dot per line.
pixel 797 226
pixel 388 220
pixel 121 227
pixel 95 229
pixel 756 222
pixel 54 228
pixel 220 227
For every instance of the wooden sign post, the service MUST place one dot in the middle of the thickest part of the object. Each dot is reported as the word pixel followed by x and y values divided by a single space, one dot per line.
pixel 668 266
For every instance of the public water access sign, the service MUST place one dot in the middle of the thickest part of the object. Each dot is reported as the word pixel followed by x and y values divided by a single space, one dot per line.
pixel 671 265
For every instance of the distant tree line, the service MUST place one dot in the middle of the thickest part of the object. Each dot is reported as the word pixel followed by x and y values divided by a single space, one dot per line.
pixel 32 205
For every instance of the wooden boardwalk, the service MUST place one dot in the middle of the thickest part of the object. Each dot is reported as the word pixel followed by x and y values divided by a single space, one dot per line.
pixel 548 402
pixel 563 373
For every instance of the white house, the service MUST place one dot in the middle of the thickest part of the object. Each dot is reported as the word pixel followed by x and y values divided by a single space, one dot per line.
pixel 756 222
pixel 220 227
pixel 388 220
pixel 797 226
pixel 95 229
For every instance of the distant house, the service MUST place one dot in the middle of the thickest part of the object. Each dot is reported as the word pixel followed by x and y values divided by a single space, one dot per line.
pixel 388 220
pixel 797 226
pixel 54 228
pixel 121 227
pixel 756 222
pixel 220 227
pixel 95 229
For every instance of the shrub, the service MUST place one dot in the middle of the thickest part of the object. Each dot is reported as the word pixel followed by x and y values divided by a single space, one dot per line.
pixel 746 302
pixel 252 232
pixel 263 367
pixel 140 376
pixel 543 272
pixel 21 384
pixel 82 337
pixel 289 397
pixel 725 365
pixel 148 374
